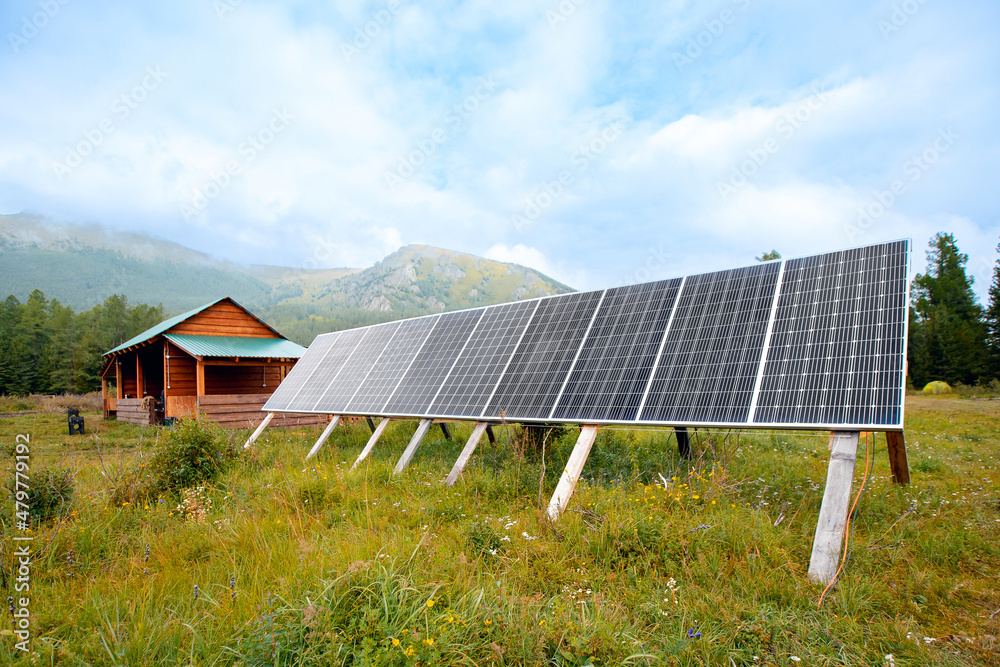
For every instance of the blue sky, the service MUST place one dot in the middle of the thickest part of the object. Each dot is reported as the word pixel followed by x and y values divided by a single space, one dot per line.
pixel 601 143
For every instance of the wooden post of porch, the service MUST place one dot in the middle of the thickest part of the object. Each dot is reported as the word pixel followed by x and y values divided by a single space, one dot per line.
pixel 200 378
pixel 140 385
pixel 119 387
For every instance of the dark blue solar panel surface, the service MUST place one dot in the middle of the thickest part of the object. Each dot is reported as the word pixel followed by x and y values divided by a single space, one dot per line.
pixel 360 351
pixel 709 364
pixel 677 352
pixel 391 365
pixel 529 388
pixel 285 395
pixel 837 346
pixel 435 359
pixel 615 363
pixel 471 381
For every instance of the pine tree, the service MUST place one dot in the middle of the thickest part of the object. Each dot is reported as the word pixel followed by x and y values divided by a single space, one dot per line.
pixel 947 336
pixel 992 322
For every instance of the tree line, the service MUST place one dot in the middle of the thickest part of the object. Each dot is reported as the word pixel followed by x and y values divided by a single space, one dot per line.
pixel 47 348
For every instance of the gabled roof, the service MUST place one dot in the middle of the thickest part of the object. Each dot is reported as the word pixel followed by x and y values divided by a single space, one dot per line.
pixel 236 346
pixel 166 325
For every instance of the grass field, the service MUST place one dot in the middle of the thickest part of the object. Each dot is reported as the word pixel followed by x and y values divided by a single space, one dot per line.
pixel 280 563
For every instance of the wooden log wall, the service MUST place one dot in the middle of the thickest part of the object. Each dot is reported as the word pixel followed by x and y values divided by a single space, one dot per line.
pixel 242 380
pixel 223 319
pixel 243 411
pixel 182 372
pixel 136 411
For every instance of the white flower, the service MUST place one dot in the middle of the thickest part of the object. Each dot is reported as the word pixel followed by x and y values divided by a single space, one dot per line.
pixel 796 658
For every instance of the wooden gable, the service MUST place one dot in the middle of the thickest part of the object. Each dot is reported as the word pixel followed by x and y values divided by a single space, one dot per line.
pixel 224 318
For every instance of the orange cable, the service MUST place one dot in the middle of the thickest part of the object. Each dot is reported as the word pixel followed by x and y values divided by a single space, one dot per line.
pixel 847 527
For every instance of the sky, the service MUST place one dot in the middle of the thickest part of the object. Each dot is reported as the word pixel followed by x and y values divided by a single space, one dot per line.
pixel 600 143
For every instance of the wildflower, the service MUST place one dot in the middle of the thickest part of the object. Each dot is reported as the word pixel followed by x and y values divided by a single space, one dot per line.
pixel 487 622
pixel 429 641
pixel 430 603
pixel 196 591
pixel 541 622
pixel 395 642
pixel 693 635
pixel 232 586
pixel 796 658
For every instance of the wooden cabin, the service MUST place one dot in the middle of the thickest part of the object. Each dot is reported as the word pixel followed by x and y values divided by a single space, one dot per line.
pixel 219 360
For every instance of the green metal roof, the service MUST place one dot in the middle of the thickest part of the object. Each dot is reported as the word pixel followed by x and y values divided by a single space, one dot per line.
pixel 173 321
pixel 236 346
pixel 160 328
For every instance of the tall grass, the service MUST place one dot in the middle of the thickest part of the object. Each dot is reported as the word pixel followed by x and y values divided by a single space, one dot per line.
pixel 312 564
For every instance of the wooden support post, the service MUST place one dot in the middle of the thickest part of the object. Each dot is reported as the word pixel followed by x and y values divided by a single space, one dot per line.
pixel 489 434
pixel 200 377
pixel 571 474
pixel 444 429
pixel 834 510
pixel 119 387
pixel 139 383
pixel 323 436
pixel 411 449
pixel 463 458
pixel 371 424
pixel 897 457
pixel 260 429
pixel 683 442
pixel 376 434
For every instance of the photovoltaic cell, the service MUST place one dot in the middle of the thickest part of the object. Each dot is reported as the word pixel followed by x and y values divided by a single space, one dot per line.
pixel 681 352
pixel 284 396
pixel 391 365
pixel 529 388
pixel 837 347
pixel 710 359
pixel 479 366
pixel 613 369
pixel 432 363
pixel 358 349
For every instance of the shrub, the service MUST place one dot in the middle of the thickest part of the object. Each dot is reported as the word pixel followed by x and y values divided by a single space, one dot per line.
pixel 192 453
pixel 48 492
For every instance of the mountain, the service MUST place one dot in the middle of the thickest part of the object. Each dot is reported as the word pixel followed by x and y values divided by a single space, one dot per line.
pixel 82 265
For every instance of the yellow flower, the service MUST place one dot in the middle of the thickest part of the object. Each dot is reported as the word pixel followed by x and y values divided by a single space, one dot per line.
pixel 429 641
pixel 541 622
pixel 696 497
pixel 487 622
pixel 395 642
pixel 713 502
pixel 430 603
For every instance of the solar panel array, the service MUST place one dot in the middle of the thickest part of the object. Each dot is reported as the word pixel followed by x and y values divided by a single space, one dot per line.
pixel 817 342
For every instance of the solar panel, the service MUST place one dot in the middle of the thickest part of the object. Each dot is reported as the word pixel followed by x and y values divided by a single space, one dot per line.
pixel 388 370
pixel 611 374
pixel 838 345
pixel 478 369
pixel 531 384
pixel 359 353
pixel 287 392
pixel 817 342
pixel 711 356
pixel 433 362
